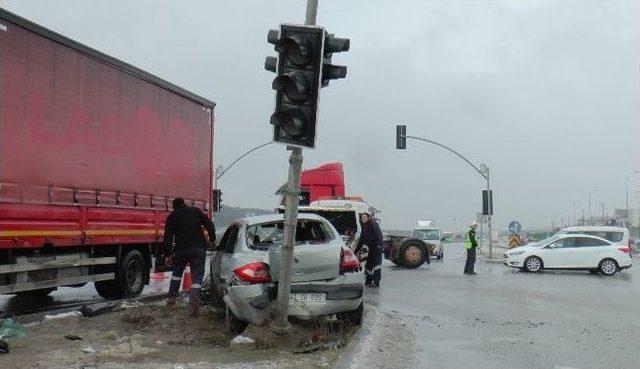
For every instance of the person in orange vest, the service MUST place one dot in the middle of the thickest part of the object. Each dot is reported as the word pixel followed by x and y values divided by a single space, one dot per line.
pixel 184 243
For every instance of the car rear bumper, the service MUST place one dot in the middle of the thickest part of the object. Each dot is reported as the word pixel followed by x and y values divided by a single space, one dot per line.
pixel 344 293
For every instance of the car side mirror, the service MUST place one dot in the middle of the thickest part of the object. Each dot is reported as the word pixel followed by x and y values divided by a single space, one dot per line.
pixel 443 238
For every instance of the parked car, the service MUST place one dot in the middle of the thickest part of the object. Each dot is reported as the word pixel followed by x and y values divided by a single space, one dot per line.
pixel 327 277
pixel 571 251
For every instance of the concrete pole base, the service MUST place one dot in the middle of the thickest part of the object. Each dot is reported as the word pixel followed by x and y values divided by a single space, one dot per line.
pixel 278 328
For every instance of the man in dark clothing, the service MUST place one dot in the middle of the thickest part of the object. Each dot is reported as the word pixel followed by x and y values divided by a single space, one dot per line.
pixel 184 243
pixel 371 236
pixel 471 245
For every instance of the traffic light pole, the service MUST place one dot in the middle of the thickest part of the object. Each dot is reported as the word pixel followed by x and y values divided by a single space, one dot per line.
pixel 483 171
pixel 281 323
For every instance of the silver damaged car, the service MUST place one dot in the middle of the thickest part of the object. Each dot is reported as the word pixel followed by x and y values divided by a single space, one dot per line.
pixel 327 277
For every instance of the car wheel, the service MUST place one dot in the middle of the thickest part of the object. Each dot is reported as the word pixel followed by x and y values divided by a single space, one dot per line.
pixel 353 317
pixel 413 254
pixel 533 264
pixel 608 267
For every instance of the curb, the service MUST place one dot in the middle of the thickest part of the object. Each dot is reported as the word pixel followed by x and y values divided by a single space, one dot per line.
pixel 360 344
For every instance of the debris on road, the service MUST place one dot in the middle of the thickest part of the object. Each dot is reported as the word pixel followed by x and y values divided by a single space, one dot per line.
pixel 11 328
pixel 88 350
pixel 72 337
pixel 242 340
pixel 97 309
pixel 4 347
pixel 68 314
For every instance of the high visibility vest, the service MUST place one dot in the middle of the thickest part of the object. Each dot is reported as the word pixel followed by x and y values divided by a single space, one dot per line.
pixel 467 243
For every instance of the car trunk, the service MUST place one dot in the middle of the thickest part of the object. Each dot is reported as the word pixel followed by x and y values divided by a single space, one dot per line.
pixel 312 262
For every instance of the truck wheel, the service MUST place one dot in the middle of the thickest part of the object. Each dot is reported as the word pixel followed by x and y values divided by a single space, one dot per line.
pixel 130 277
pixel 107 289
pixel 129 280
pixel 413 254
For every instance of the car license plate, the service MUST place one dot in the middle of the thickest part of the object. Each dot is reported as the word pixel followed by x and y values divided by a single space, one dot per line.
pixel 307 297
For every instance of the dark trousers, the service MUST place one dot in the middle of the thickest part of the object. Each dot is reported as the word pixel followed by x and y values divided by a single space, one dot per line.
pixel 373 266
pixel 196 259
pixel 471 261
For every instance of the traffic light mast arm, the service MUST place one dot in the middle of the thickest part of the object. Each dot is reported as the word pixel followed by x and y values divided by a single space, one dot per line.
pixel 482 173
pixel 219 175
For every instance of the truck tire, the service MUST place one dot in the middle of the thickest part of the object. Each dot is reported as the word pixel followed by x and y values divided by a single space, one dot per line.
pixel 129 280
pixel 413 253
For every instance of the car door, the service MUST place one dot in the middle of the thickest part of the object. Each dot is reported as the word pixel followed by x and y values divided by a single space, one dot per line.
pixel 590 251
pixel 221 262
pixel 558 254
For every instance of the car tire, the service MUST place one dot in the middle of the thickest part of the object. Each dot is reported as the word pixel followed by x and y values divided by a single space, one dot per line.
pixel 353 317
pixel 533 264
pixel 608 267
pixel 413 254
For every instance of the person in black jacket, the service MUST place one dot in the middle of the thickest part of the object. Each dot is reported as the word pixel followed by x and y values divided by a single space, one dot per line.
pixel 371 236
pixel 184 243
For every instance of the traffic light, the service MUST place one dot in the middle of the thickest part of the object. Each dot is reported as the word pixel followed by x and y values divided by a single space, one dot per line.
pixel 217 200
pixel 297 83
pixel 333 45
pixel 487 202
pixel 303 65
pixel 401 137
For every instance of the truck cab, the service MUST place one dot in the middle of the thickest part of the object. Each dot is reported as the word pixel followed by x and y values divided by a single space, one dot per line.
pixel 430 234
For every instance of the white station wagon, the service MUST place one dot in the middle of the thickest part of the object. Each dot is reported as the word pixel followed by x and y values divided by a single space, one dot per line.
pixel 571 251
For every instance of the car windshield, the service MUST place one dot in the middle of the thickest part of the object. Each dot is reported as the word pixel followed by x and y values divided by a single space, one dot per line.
pixel 426 234
pixel 265 235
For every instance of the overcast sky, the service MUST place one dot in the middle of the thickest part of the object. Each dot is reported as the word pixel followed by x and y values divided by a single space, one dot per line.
pixel 547 93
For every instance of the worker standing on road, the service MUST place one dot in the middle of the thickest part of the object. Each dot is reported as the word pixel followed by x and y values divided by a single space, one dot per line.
pixel 471 245
pixel 371 236
pixel 184 243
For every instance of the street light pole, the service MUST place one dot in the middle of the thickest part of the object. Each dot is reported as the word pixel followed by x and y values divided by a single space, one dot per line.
pixel 627 193
pixel 221 170
pixel 281 322
pixel 483 171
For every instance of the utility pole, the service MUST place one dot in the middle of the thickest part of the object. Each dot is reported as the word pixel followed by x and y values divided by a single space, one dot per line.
pixel 603 213
pixel 627 196
pixel 281 323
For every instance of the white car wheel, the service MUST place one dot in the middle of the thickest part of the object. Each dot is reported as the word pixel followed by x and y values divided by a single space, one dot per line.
pixel 608 267
pixel 533 264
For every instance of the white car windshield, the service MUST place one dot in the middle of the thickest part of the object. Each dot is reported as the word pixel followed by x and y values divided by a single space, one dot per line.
pixel 265 235
pixel 545 242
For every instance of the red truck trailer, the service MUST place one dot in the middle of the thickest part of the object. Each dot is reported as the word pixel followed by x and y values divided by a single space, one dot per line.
pixel 92 152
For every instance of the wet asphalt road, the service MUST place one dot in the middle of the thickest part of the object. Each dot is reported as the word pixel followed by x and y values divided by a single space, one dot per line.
pixel 503 318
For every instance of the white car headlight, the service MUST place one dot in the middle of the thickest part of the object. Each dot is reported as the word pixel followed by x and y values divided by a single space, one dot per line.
pixel 516 253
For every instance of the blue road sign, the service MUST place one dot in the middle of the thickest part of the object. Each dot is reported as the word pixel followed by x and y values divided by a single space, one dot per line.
pixel 515 227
